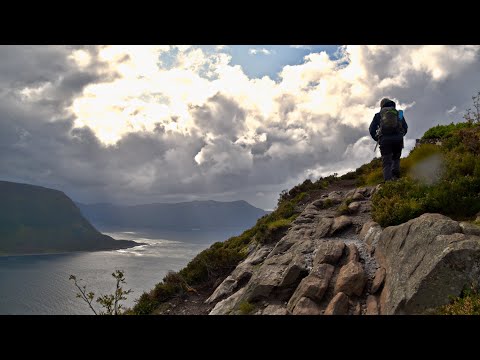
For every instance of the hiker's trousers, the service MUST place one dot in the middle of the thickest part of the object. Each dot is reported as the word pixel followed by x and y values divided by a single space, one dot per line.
pixel 391 152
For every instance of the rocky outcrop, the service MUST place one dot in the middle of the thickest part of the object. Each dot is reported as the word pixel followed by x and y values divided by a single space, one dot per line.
pixel 352 253
pixel 470 229
pixel 306 306
pixel 340 223
pixel 354 207
pixel 351 279
pixel 313 286
pixel 427 259
pixel 328 252
pixel 378 280
pixel 226 306
pixel 337 265
pixel 239 276
pixel 275 309
pixel 338 305
pixel 370 234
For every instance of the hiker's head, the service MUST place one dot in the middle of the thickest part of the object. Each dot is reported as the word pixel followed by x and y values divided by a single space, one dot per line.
pixel 386 102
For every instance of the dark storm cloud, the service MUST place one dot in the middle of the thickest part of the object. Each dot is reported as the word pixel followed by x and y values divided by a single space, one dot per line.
pixel 39 143
pixel 220 115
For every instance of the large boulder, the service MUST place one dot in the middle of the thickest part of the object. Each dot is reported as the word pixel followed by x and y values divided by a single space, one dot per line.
pixel 226 306
pixel 354 206
pixel 328 252
pixel 352 253
pixel 340 223
pixel 335 197
pixel 306 306
pixel 427 260
pixel 275 309
pixel 313 286
pixel 338 305
pixel 358 196
pixel 351 279
pixel 323 227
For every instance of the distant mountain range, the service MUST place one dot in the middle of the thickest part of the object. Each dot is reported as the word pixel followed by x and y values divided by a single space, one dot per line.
pixel 34 219
pixel 194 215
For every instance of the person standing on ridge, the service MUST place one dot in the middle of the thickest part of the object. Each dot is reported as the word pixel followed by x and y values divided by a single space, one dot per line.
pixel 388 128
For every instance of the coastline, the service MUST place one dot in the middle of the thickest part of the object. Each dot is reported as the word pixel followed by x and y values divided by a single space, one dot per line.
pixel 73 251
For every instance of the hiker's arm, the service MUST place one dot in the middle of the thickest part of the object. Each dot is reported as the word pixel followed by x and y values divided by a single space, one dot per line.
pixel 405 126
pixel 373 127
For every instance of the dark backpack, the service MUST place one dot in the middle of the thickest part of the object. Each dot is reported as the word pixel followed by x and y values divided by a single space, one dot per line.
pixel 390 123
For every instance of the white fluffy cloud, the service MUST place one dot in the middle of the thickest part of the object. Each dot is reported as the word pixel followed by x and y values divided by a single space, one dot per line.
pixel 261 51
pixel 157 123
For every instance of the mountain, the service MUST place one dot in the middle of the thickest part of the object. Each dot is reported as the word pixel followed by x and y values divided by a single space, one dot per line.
pixel 34 219
pixel 177 216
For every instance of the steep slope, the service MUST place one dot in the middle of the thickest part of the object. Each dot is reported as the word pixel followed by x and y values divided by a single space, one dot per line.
pixel 34 219
pixel 176 216
pixel 332 264
pixel 299 259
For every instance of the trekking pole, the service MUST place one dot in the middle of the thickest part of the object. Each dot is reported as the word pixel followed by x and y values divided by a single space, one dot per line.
pixel 378 137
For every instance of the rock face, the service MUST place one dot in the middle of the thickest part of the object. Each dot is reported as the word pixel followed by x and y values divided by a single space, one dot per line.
pixel 427 259
pixel 324 265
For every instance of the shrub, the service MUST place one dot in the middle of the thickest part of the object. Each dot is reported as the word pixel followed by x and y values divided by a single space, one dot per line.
pixel 369 174
pixel 468 303
pixel 397 202
pixel 144 305
pixel 343 210
pixel 246 308
pixel 444 131
pixel 456 189
pixel 418 155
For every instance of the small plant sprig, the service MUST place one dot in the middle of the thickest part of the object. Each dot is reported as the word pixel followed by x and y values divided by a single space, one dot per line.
pixel 110 302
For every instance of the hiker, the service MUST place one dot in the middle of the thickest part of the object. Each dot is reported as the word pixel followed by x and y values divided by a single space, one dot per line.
pixel 388 128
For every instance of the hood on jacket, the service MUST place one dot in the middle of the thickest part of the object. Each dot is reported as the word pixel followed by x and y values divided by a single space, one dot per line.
pixel 387 103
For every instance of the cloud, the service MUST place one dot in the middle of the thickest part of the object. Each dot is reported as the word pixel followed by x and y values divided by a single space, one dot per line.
pixel 261 51
pixel 136 124
pixel 305 47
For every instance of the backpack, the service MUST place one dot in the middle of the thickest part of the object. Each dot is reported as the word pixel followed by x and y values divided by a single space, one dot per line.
pixel 390 123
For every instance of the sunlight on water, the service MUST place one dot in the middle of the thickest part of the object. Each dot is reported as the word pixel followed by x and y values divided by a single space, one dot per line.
pixel 38 284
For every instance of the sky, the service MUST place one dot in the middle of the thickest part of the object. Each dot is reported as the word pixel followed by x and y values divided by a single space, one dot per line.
pixel 144 124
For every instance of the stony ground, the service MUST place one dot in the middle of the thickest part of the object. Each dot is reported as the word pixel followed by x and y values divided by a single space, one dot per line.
pixel 334 260
pixel 194 303
pixel 309 228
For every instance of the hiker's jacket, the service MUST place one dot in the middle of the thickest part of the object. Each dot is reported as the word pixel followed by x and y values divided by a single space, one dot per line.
pixel 386 139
